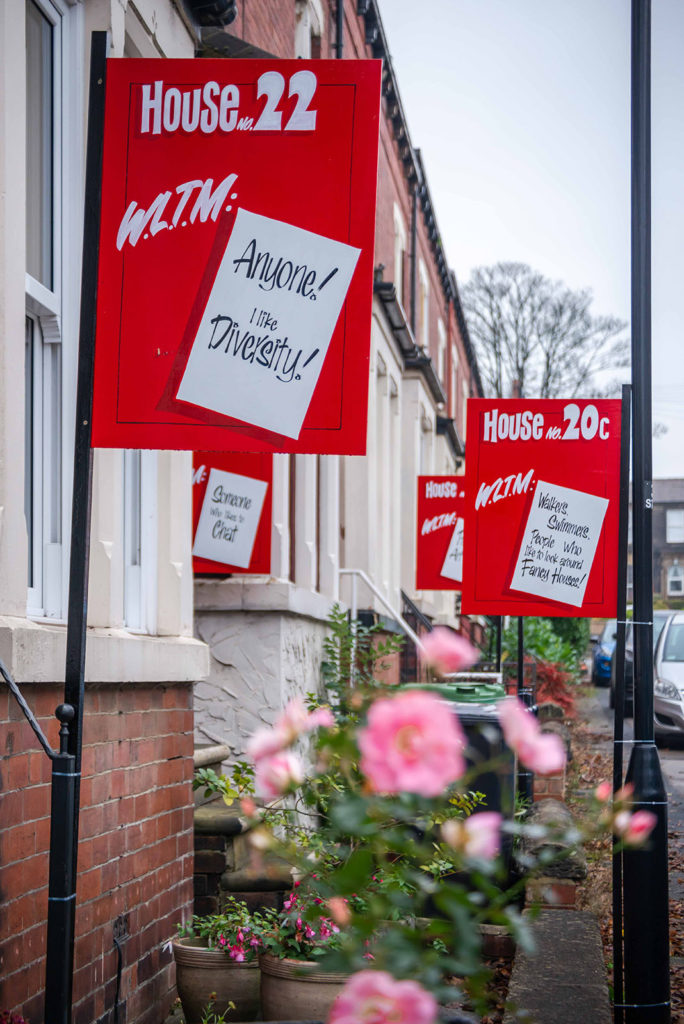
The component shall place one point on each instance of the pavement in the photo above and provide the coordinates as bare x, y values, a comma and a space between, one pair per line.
564, 981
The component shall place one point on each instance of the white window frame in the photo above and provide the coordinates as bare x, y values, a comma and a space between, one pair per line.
424, 307
674, 525
675, 580
453, 397
400, 243
309, 22
45, 393
140, 530
426, 442
441, 350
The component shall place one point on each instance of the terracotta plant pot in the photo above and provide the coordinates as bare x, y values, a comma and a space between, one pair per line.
296, 989
200, 972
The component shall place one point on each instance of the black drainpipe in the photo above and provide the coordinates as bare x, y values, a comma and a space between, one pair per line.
339, 30
414, 260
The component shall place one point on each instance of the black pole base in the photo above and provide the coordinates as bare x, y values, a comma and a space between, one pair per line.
645, 908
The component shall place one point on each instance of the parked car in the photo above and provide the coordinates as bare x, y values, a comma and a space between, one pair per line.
660, 617
668, 685
604, 645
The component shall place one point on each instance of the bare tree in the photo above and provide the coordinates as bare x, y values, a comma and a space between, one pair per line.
539, 332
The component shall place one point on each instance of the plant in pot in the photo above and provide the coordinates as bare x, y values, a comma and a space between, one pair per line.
217, 964
294, 985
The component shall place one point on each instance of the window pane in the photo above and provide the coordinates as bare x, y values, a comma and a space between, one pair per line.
675, 526
28, 448
39, 143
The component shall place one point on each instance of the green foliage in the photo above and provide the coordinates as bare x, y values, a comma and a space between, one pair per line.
210, 1016
541, 640
353, 654
575, 632
238, 784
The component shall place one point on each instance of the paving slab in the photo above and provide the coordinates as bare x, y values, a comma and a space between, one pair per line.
564, 982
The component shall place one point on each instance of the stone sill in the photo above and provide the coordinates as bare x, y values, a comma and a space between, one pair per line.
34, 652
260, 594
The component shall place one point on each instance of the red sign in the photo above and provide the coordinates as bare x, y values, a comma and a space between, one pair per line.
439, 543
541, 521
232, 512
236, 255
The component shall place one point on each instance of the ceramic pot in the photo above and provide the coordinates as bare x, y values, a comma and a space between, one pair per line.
201, 971
296, 989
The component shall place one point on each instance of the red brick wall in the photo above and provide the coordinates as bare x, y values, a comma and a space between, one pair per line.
135, 849
266, 25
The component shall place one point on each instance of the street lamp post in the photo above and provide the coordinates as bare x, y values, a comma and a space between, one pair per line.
646, 929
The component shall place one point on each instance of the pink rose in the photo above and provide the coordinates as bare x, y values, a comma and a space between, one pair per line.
411, 743
478, 836
543, 753
320, 717
294, 721
265, 743
446, 651
375, 997
603, 792
274, 775
634, 829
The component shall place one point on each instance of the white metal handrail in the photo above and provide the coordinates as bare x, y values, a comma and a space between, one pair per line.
357, 574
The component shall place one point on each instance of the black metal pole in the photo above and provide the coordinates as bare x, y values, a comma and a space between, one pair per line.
619, 693
339, 29
74, 685
61, 890
499, 630
521, 656
525, 777
645, 871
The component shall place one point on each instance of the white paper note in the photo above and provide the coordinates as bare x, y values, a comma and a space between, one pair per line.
453, 562
267, 325
229, 518
559, 543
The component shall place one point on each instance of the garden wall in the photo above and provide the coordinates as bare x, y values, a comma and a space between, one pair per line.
135, 851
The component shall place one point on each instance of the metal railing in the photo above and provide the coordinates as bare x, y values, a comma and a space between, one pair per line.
359, 574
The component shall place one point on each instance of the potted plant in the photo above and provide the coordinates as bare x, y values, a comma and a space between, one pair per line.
217, 963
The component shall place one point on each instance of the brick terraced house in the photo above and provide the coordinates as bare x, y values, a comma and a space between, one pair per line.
176, 661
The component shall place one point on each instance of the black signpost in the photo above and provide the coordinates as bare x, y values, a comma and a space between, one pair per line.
645, 870
66, 762
618, 730
82, 486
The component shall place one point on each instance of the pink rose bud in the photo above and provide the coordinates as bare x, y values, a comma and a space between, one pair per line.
543, 753
446, 651
634, 829
339, 910
603, 792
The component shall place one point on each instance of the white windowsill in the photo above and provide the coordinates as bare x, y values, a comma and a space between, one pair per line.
34, 652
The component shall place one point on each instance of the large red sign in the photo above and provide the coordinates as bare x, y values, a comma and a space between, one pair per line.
232, 512
236, 255
439, 541
541, 520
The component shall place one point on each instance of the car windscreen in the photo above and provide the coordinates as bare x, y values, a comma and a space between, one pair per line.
673, 649
658, 623
609, 631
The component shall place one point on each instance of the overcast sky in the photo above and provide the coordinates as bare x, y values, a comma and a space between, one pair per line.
521, 110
